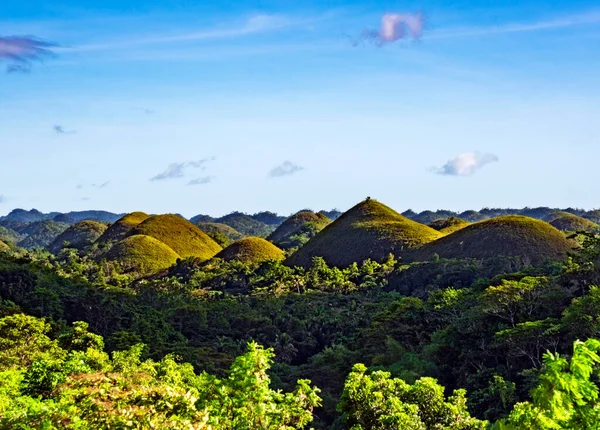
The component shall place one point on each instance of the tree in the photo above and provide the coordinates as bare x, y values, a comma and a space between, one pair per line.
377, 401
23, 340
566, 396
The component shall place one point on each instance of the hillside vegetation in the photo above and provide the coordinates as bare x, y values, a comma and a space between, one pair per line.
180, 235
298, 229
9, 235
246, 225
78, 236
220, 233
531, 240
368, 230
142, 255
41, 234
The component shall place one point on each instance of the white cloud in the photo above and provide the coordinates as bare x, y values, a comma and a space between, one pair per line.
466, 164
201, 181
286, 168
177, 170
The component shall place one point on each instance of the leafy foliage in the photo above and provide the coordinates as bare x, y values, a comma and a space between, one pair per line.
81, 387
378, 401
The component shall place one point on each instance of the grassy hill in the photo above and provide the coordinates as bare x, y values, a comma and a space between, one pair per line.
41, 234
368, 230
143, 255
4, 247
448, 225
508, 236
180, 235
298, 229
121, 228
246, 225
566, 221
251, 250
220, 233
78, 236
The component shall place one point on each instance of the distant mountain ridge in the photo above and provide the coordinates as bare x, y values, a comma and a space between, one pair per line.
34, 215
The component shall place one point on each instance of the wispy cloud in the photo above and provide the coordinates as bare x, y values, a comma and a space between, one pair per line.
255, 24
21, 51
465, 164
173, 171
286, 168
101, 185
201, 181
18, 68
592, 17
59, 129
2, 198
177, 170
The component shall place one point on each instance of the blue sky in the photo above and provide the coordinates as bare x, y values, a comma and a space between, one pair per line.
214, 99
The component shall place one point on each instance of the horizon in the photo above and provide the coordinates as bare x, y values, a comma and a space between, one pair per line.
217, 108
341, 210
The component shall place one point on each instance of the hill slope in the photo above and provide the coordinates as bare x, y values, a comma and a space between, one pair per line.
180, 235
142, 254
220, 233
448, 225
79, 236
368, 230
41, 233
251, 250
298, 229
508, 236
4, 247
9, 236
246, 225
566, 221
121, 228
